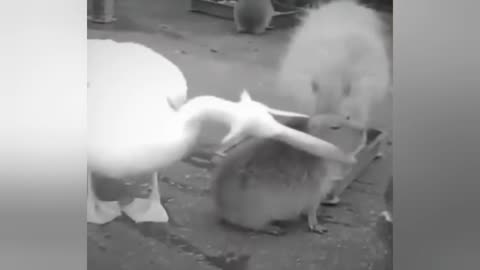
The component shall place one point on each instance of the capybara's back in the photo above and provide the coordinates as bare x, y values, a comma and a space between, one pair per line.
264, 180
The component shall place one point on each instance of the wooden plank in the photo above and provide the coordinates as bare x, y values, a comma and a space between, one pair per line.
281, 19
364, 158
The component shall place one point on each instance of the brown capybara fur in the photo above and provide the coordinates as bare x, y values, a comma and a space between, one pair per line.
265, 180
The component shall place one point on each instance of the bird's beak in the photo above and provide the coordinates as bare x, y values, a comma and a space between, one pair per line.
238, 132
313, 145
276, 112
245, 98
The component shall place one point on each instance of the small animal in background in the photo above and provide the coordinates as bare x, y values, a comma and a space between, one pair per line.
265, 180
253, 16
337, 62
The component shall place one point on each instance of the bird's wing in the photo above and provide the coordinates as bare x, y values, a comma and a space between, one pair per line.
129, 85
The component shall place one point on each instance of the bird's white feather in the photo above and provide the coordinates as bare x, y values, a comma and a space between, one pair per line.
128, 109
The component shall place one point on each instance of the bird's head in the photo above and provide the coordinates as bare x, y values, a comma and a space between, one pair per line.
256, 119
252, 118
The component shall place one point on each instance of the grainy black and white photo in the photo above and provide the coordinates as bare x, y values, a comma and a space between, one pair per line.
239, 134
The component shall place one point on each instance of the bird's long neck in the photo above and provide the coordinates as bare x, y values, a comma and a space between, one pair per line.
203, 109
207, 108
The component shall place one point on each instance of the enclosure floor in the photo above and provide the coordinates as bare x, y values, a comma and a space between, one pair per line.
217, 61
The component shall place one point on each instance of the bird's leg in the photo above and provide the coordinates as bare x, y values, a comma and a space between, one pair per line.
99, 212
147, 210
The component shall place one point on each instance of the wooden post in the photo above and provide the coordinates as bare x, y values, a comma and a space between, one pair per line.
102, 11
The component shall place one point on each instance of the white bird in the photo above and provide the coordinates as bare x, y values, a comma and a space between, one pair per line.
138, 125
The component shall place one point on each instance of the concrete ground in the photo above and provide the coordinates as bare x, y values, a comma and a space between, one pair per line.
217, 61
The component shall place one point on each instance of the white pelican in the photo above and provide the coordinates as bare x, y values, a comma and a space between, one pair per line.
138, 125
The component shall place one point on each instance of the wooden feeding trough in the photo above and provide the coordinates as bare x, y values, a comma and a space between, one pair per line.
364, 158
284, 17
